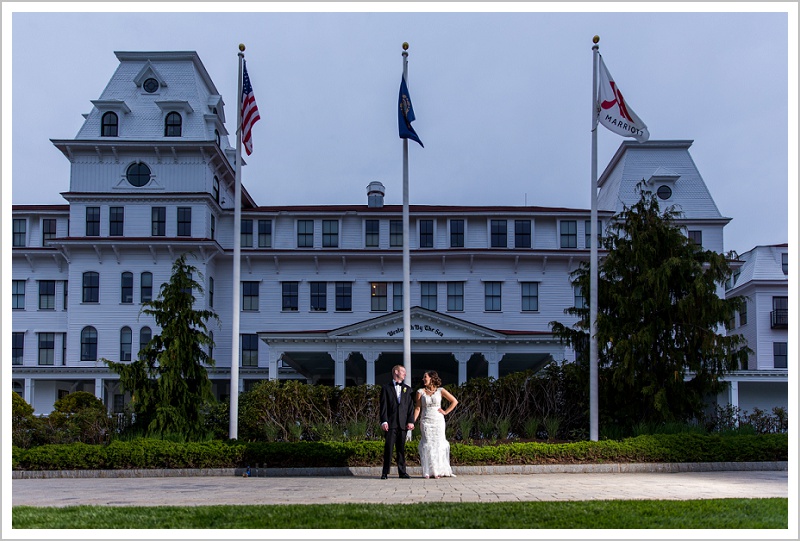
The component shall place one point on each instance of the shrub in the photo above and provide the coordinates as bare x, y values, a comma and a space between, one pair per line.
26, 428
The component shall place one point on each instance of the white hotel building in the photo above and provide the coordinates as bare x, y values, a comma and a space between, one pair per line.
152, 177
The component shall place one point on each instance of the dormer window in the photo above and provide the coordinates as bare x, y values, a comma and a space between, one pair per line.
150, 85
110, 125
172, 125
138, 174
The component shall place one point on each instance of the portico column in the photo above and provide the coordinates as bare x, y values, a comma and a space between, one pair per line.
493, 360
98, 389
274, 357
733, 398
339, 357
462, 358
371, 357
29, 388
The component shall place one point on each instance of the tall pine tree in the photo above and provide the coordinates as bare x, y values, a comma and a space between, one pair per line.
661, 352
168, 382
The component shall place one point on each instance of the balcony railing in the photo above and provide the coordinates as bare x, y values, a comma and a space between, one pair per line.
779, 318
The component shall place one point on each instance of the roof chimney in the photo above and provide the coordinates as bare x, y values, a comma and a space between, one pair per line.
375, 193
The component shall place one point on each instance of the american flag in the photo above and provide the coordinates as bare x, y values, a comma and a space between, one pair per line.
249, 112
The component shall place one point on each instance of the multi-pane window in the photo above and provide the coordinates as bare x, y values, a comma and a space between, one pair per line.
305, 233
172, 125
66, 294
18, 295
89, 344
249, 350
319, 296
145, 335
250, 296
696, 238
20, 232
780, 312
371, 233
47, 348
17, 347
184, 221
330, 233
378, 296
456, 233
246, 233
344, 296
211, 292
499, 233
743, 314
785, 263
159, 221
215, 189
396, 233
116, 221
588, 232
569, 234
92, 221
522, 233
780, 354
493, 296
48, 230
265, 233
213, 227
426, 233
125, 344
126, 288
397, 296
530, 296
289, 302
455, 296
47, 294
580, 300
109, 125
146, 287
428, 295
91, 287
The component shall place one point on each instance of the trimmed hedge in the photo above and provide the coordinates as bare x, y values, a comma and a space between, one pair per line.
161, 454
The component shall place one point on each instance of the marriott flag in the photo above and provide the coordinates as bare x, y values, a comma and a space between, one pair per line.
614, 112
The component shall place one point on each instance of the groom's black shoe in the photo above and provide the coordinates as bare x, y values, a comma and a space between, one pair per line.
384, 476
405, 476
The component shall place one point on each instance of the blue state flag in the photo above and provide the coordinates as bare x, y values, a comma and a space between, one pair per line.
405, 115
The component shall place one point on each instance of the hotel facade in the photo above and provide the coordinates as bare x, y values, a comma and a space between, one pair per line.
151, 177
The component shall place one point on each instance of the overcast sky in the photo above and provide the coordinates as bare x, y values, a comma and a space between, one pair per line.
503, 100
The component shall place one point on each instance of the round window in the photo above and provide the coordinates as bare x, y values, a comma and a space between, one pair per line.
150, 85
664, 192
138, 174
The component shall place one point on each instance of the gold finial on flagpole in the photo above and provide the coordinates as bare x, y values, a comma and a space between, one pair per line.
405, 45
241, 47
595, 39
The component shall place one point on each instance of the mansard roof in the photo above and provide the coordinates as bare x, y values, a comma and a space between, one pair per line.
657, 163
183, 86
762, 264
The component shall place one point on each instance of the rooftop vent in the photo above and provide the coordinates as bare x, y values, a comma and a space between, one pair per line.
375, 193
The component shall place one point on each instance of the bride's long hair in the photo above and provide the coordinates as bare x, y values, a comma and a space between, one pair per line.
435, 380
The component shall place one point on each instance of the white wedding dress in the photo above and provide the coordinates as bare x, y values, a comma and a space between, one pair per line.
434, 449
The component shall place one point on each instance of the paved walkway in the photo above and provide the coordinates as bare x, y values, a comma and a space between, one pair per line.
365, 486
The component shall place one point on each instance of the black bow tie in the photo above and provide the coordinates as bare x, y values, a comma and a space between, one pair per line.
397, 383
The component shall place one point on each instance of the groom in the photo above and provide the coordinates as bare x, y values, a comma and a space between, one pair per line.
397, 414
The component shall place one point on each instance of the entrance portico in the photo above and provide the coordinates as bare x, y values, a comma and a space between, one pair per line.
364, 352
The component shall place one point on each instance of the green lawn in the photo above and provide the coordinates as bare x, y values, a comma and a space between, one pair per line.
613, 514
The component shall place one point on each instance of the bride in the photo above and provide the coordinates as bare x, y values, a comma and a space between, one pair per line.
434, 450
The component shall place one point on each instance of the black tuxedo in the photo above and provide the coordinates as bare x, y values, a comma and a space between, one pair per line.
397, 415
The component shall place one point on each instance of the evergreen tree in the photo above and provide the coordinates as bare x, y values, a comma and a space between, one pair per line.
661, 354
168, 382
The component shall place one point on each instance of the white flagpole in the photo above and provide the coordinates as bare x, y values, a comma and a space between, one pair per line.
406, 252
233, 431
593, 361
